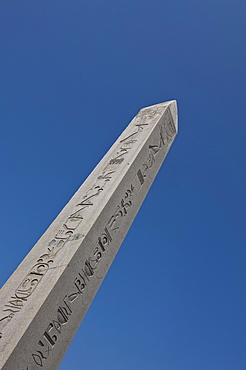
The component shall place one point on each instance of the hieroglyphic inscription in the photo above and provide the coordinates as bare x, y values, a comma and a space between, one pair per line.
67, 233
83, 277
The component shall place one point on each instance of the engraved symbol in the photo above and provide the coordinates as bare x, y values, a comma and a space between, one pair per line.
73, 296
88, 269
140, 177
93, 260
40, 343
167, 128
116, 161
79, 283
104, 239
30, 282
124, 206
154, 148
50, 339
39, 359
57, 326
64, 312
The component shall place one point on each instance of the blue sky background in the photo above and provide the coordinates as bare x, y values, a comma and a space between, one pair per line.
73, 74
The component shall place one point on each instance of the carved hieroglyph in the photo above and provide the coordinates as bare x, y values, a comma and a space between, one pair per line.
44, 301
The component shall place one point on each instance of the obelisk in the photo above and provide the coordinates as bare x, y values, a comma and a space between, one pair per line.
44, 301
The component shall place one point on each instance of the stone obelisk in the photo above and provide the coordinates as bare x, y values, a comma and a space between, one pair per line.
44, 301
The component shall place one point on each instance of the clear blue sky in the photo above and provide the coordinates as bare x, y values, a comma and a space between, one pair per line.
73, 75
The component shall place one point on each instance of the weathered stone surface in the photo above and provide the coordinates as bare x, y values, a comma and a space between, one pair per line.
44, 301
